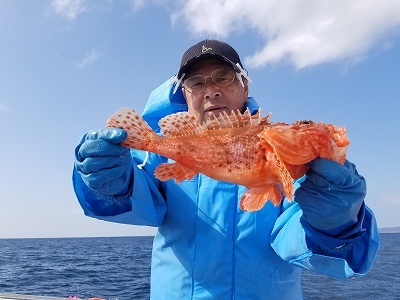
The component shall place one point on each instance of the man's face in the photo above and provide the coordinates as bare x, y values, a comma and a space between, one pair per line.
214, 99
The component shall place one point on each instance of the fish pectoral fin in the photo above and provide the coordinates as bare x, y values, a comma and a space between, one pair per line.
278, 168
139, 133
168, 171
256, 197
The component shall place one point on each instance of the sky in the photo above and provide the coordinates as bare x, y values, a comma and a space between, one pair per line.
67, 65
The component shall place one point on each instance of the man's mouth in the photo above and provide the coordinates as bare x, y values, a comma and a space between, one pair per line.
215, 109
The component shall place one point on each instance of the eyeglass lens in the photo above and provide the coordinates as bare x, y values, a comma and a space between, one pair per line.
221, 77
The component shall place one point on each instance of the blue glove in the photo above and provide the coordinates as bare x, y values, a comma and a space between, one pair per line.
103, 164
332, 198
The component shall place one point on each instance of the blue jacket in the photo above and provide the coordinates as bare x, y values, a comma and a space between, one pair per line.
206, 247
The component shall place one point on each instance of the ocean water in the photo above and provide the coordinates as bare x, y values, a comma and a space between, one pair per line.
381, 282
119, 268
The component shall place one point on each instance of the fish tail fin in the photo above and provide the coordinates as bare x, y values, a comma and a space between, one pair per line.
140, 134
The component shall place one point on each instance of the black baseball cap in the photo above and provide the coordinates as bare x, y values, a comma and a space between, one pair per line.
209, 49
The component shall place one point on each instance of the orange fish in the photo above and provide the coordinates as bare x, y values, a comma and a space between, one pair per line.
239, 148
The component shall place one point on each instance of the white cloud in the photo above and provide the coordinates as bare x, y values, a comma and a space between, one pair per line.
90, 58
4, 108
68, 9
303, 32
138, 4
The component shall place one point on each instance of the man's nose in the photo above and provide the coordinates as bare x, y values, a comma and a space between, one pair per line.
212, 90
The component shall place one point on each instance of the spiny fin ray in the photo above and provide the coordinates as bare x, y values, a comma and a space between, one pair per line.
179, 124
182, 123
223, 120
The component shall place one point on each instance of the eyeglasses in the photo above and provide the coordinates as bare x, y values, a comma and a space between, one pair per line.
221, 77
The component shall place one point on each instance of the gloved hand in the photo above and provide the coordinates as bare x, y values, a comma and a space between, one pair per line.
103, 164
331, 196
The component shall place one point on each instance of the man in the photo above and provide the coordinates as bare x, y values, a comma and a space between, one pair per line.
206, 247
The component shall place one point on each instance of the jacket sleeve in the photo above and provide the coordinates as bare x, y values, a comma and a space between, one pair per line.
142, 205
291, 243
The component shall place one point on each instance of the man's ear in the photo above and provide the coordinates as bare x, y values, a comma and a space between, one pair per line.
184, 94
246, 87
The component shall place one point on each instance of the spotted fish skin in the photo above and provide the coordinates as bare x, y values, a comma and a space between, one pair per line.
238, 148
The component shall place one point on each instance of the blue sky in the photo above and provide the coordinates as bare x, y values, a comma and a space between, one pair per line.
67, 65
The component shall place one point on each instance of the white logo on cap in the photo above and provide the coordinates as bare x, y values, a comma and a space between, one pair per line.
204, 49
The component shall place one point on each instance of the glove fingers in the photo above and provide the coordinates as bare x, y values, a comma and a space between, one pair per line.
95, 164
112, 135
100, 178
323, 170
97, 148
102, 163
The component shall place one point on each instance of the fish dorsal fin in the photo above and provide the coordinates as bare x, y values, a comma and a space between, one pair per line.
224, 120
259, 120
233, 120
179, 123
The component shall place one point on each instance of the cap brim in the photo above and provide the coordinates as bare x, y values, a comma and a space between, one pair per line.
197, 59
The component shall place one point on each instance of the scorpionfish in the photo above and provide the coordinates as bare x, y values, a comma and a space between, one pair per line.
240, 148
